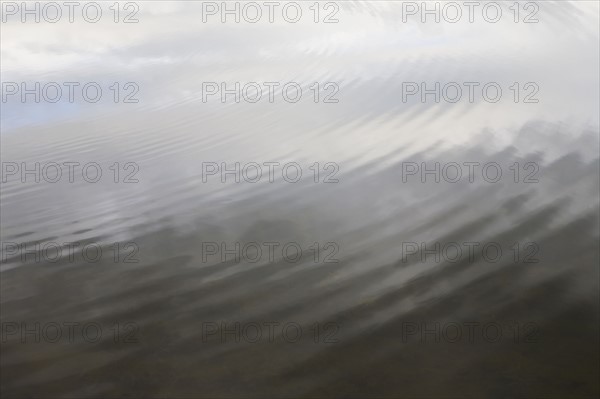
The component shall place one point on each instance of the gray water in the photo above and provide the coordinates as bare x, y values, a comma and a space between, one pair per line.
372, 300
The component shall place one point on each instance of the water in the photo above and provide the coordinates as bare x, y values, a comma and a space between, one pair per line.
363, 291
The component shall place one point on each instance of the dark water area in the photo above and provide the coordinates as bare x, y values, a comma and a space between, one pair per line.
374, 274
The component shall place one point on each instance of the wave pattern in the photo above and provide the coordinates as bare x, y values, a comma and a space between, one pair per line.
372, 291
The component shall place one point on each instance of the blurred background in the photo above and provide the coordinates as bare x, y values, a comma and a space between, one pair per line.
364, 306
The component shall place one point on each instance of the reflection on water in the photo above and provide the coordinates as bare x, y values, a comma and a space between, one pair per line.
364, 292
